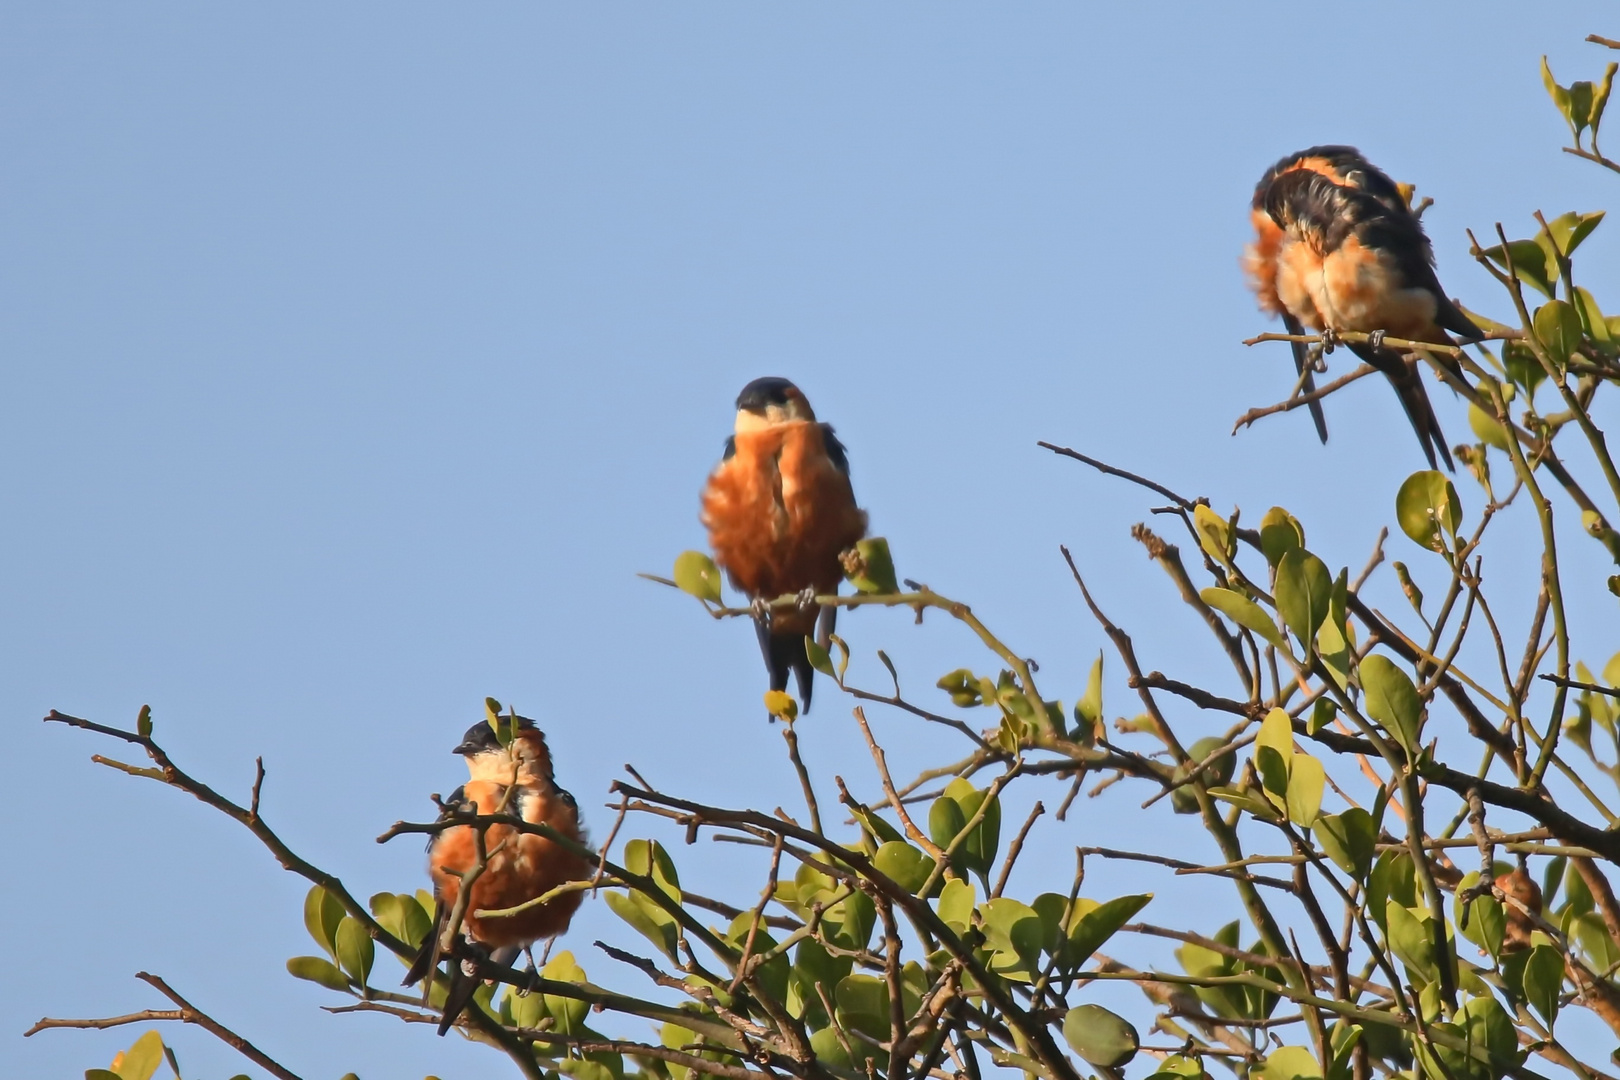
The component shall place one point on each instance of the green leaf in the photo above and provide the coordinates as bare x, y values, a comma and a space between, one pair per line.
1600, 98
1349, 839
1304, 590
1485, 923
647, 919
1411, 938
903, 864
322, 913
949, 816
1428, 509
1101, 1038
355, 950
101, 1074
1223, 768
1273, 751
649, 859
568, 1012
143, 722
1558, 328
1289, 1063
1544, 981
317, 970
1484, 425
820, 659
1214, 534
1414, 595
1568, 230
1245, 612
1485, 1023
1530, 264
1306, 778
1280, 533
956, 903
862, 1002
828, 1050
1091, 929
696, 575
1392, 700
528, 1010
1088, 710
875, 567
1013, 932
1177, 1066
1593, 322
1560, 98
142, 1059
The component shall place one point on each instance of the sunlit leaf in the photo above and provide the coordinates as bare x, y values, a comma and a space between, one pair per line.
142, 1059
1289, 1063
1558, 328
696, 575
1392, 700
1280, 533
322, 913
873, 567
1530, 264
355, 950
1428, 509
1214, 534
1348, 839
1245, 612
1100, 923
903, 864
1304, 590
318, 970
1543, 981
1486, 921
1306, 778
780, 703
1101, 1038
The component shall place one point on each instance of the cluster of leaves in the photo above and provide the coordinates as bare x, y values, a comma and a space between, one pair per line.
892, 947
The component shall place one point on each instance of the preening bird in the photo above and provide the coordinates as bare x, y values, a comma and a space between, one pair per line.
519, 866
779, 509
1337, 249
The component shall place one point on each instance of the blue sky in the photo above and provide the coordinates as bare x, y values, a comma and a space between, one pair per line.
357, 356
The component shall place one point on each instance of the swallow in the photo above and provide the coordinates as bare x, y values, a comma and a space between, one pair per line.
519, 866
1343, 165
1338, 249
780, 510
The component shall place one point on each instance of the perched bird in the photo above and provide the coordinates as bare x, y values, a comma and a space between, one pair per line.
1337, 249
779, 509
518, 866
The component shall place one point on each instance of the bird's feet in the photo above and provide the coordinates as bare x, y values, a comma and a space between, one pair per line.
1376, 339
1330, 339
807, 598
760, 608
531, 971
1315, 361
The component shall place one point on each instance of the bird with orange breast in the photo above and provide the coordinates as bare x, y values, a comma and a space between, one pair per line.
1338, 249
780, 510
519, 867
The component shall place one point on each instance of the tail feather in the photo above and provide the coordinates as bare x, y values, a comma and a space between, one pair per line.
785, 653
1307, 381
463, 985
1414, 399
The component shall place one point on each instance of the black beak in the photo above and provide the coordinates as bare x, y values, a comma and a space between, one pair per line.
467, 749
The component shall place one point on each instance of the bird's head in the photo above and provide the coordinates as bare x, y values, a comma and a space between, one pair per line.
488, 760
770, 401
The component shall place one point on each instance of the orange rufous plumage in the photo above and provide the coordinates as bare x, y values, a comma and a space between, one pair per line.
1337, 248
519, 866
780, 510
